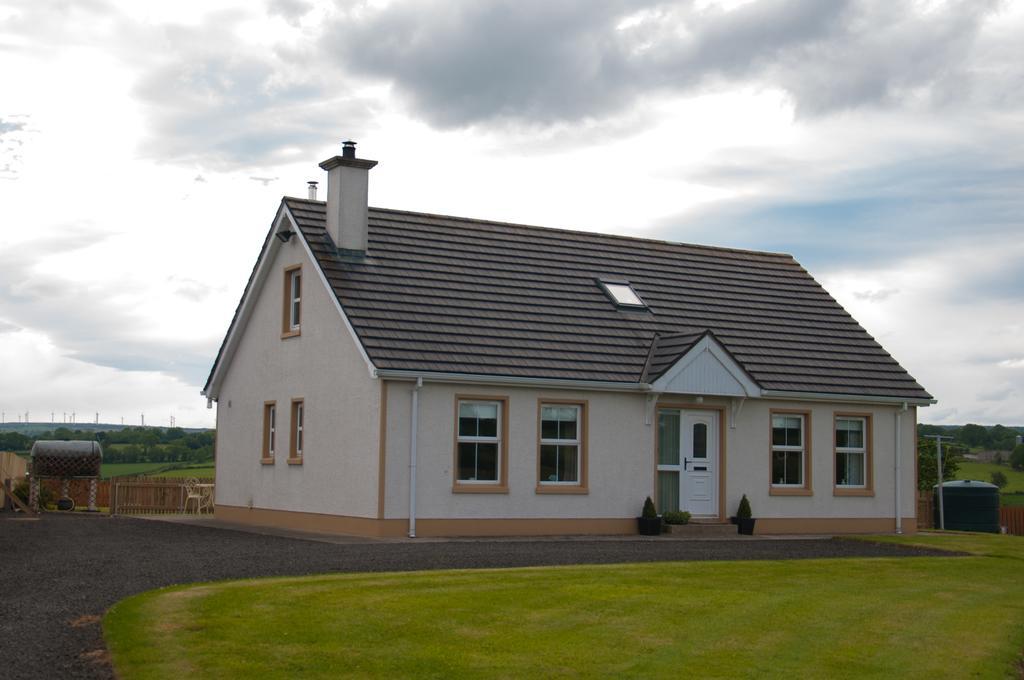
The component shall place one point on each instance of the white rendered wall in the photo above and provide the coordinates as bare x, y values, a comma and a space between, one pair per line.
749, 452
339, 473
621, 458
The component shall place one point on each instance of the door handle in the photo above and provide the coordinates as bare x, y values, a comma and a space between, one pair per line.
686, 464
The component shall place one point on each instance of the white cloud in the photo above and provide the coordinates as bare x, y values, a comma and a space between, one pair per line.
878, 142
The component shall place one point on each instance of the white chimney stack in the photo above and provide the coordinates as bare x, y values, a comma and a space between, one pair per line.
347, 198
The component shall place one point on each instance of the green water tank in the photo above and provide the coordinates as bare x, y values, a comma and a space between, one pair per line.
969, 506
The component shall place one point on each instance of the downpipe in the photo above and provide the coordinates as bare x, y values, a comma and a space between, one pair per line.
413, 436
899, 468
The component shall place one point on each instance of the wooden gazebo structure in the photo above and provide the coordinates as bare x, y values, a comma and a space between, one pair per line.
64, 460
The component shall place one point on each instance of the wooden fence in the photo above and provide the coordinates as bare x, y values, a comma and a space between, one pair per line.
1013, 519
149, 495
925, 511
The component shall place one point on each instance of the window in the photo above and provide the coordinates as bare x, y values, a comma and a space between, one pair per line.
622, 294
853, 455
790, 460
562, 458
298, 431
478, 442
669, 460
292, 317
269, 431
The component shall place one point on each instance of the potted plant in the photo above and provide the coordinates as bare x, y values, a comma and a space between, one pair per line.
744, 517
648, 521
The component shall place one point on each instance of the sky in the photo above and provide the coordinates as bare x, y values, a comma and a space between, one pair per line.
144, 149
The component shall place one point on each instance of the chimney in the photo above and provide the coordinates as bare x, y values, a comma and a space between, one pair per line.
312, 190
347, 188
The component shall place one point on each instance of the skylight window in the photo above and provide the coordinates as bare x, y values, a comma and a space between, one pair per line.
622, 294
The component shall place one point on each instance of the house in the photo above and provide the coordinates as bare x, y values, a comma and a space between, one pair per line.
392, 373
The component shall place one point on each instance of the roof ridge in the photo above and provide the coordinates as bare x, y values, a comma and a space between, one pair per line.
563, 230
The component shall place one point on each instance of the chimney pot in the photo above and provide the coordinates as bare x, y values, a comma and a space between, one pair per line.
348, 149
312, 190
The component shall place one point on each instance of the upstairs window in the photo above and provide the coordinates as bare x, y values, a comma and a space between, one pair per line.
292, 317
622, 294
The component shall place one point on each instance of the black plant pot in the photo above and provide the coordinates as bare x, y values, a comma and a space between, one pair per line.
649, 526
746, 525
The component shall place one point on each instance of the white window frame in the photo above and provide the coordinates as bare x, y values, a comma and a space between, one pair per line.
270, 430
295, 299
299, 423
577, 442
610, 289
496, 440
862, 450
802, 450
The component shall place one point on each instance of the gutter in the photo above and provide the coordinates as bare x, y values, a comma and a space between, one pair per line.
611, 386
482, 379
827, 396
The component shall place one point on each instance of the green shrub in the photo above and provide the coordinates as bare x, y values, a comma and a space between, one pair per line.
999, 479
676, 517
744, 512
649, 512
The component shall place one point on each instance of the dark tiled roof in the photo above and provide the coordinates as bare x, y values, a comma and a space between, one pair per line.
454, 295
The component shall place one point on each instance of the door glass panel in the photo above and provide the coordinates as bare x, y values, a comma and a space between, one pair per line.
668, 438
700, 440
668, 491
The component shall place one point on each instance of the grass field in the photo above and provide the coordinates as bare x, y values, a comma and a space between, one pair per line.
108, 470
983, 472
203, 472
154, 470
929, 617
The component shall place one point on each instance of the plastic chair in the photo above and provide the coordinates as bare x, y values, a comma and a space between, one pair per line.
192, 493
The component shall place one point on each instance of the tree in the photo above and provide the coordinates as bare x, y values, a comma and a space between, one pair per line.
998, 458
1017, 458
1002, 438
974, 436
999, 479
927, 467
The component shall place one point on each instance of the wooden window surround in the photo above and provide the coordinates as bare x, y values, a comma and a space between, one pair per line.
473, 439
867, 488
269, 432
297, 437
804, 489
291, 312
559, 441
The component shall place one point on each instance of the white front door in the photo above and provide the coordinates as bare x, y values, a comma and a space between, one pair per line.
688, 461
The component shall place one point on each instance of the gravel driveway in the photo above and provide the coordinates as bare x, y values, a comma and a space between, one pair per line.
60, 573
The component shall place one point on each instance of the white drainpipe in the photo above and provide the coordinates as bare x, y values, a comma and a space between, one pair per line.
412, 455
899, 468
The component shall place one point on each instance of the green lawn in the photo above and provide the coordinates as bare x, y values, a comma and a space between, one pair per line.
201, 472
894, 617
